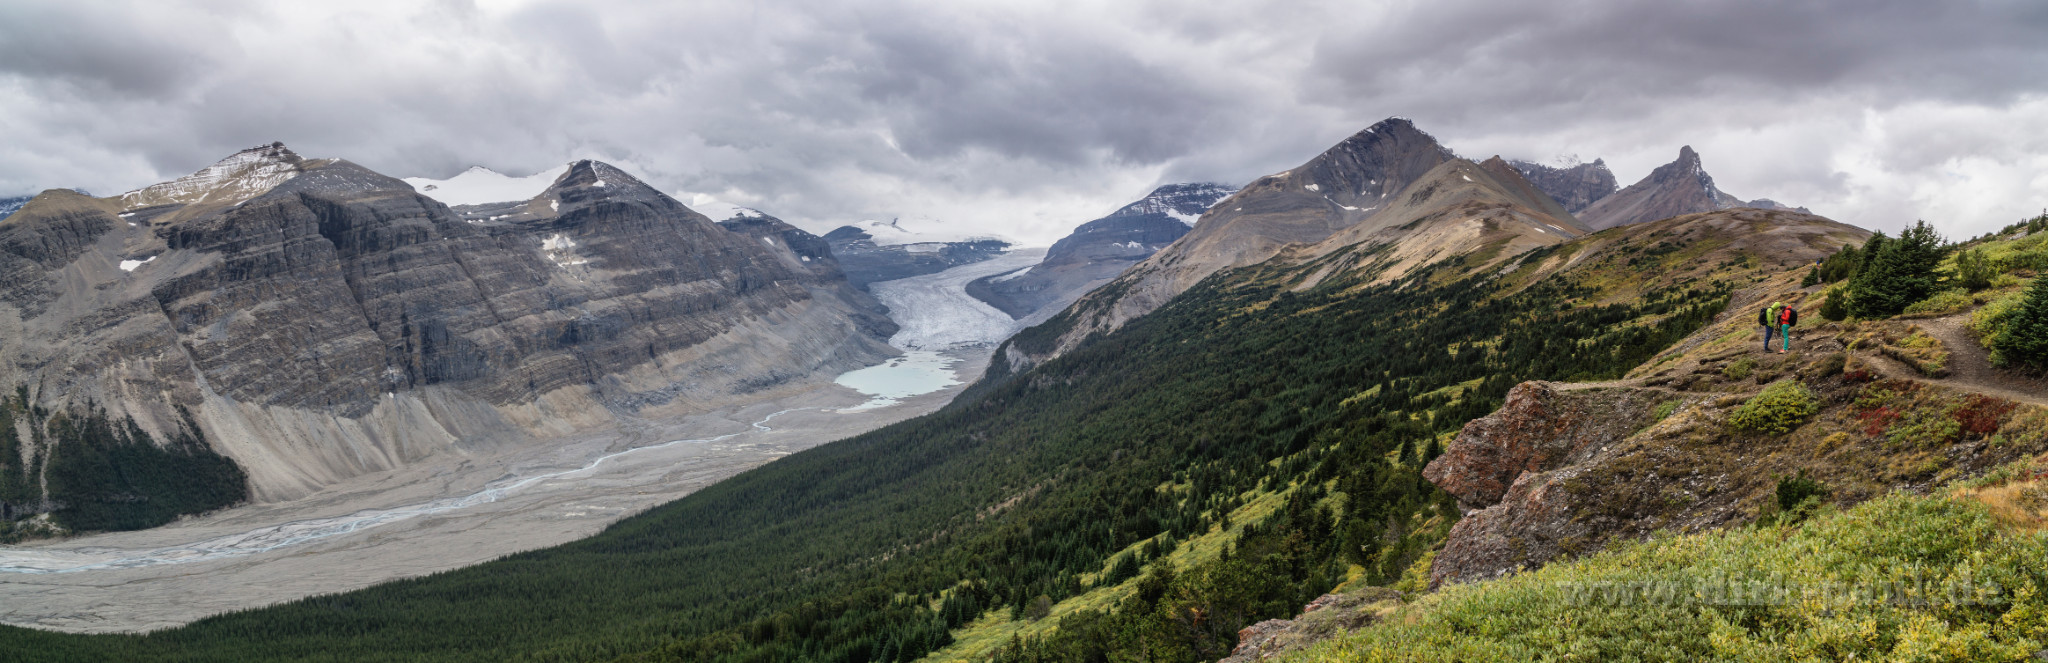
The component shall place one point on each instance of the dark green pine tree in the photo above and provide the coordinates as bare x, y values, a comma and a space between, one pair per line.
1899, 273
2024, 340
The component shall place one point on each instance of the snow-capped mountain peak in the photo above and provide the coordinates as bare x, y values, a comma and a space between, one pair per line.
1183, 202
242, 176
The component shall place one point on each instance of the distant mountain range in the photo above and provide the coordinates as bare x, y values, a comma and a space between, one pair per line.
1680, 187
1386, 200
319, 320
9, 205
872, 251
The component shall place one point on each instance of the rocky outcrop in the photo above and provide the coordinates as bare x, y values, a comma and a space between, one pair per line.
1673, 189
1099, 250
1575, 187
338, 322
1538, 428
875, 251
1324, 618
1504, 468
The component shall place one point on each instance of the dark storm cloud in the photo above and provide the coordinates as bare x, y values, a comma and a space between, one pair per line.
1030, 117
1617, 56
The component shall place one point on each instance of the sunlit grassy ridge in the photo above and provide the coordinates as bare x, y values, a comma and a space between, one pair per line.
1901, 578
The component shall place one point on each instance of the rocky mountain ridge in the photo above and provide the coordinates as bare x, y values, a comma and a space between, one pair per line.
1673, 189
873, 251
1099, 250
1575, 187
1391, 186
338, 322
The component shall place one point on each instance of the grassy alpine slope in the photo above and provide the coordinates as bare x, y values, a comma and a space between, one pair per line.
1888, 492
1037, 489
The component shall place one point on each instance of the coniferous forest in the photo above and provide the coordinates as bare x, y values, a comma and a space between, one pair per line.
103, 473
1086, 472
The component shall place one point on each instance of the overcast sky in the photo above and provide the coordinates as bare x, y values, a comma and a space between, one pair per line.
1028, 118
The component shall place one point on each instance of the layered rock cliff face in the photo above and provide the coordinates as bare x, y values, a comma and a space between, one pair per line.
1099, 250
323, 321
1575, 187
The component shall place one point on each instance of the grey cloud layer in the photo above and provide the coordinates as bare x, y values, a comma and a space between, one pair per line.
1028, 118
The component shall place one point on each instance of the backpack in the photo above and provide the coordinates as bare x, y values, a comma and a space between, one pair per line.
1789, 316
1763, 316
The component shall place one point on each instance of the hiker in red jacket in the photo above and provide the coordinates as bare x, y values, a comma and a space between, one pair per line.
1787, 317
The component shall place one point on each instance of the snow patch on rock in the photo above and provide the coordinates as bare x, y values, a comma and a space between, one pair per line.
243, 175
480, 185
718, 210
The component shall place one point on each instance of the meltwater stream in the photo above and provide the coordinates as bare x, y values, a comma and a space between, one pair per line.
39, 561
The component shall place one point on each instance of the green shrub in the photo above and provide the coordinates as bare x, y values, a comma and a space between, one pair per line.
1942, 303
1974, 271
1776, 410
1664, 410
1987, 321
1836, 307
2023, 336
1797, 498
1925, 426
1739, 369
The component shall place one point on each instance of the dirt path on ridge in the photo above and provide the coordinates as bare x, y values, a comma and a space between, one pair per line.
1970, 369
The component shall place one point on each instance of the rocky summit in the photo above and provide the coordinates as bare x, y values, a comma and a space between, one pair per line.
1680, 187
320, 320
